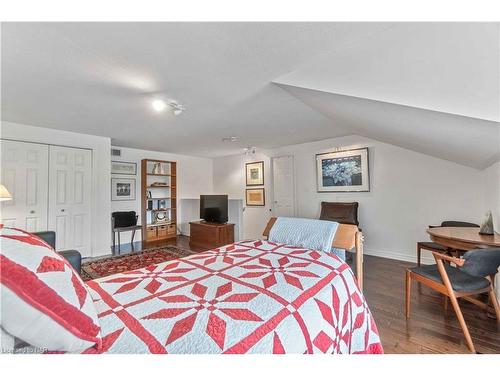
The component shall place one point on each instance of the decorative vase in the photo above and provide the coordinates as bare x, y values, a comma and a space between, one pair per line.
157, 168
487, 225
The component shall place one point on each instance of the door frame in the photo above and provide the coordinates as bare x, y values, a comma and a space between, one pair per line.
294, 183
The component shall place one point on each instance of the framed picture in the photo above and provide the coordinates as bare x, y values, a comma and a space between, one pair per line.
343, 171
122, 189
123, 167
255, 173
255, 197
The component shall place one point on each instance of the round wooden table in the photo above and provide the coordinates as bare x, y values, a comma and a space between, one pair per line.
463, 238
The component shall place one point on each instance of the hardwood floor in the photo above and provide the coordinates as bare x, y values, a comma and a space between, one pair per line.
430, 328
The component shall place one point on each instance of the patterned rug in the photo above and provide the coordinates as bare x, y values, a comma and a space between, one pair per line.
127, 262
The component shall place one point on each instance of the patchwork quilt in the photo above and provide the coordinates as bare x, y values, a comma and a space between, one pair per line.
247, 297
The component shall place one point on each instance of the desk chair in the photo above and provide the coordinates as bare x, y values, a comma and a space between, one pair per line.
124, 221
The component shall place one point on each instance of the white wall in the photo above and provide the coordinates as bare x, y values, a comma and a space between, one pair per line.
229, 178
194, 177
101, 188
408, 192
491, 183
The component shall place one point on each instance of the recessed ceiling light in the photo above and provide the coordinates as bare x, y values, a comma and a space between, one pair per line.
159, 105
229, 139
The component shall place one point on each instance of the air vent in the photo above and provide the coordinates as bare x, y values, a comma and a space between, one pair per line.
116, 152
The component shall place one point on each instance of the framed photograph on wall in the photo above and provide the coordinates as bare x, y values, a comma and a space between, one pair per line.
122, 189
255, 173
255, 197
123, 167
343, 171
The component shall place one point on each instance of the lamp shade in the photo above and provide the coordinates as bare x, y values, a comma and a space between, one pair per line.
4, 194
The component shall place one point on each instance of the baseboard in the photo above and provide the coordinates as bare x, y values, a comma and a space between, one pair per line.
405, 257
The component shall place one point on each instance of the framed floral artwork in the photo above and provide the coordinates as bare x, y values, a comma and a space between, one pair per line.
343, 171
255, 197
255, 173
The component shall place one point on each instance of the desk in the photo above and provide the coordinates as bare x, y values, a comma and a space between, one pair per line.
463, 238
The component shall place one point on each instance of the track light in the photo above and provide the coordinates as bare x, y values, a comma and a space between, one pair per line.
159, 105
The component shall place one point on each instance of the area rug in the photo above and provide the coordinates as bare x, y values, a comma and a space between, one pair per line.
127, 262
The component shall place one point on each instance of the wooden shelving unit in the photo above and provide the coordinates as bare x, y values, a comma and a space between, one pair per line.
158, 200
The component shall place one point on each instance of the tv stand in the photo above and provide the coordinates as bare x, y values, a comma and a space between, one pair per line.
210, 235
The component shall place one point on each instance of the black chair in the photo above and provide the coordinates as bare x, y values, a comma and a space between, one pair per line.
124, 221
432, 246
473, 274
72, 256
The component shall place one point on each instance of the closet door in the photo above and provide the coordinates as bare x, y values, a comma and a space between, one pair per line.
69, 198
24, 173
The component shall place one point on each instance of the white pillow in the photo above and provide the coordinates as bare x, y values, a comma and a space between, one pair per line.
6, 342
44, 301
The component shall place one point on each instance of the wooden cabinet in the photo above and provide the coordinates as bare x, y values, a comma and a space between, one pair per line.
210, 235
158, 199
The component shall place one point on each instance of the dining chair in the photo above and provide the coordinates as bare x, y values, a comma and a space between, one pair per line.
432, 246
473, 274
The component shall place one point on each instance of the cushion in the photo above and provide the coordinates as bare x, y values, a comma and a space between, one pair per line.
460, 281
341, 212
44, 301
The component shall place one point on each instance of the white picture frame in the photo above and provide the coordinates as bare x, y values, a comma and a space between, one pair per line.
343, 171
122, 189
123, 167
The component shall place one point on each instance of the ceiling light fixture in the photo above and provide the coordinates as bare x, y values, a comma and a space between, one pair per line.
250, 150
229, 139
177, 107
159, 105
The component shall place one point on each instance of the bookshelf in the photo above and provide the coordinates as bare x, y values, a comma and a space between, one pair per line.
158, 199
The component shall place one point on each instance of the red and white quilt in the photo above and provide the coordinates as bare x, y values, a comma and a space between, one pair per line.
248, 297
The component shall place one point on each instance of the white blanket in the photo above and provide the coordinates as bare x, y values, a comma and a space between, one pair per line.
307, 233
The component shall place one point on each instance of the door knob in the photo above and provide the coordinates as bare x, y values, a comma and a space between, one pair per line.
32, 212
62, 210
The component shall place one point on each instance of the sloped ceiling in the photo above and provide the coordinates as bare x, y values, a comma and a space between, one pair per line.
429, 87
426, 87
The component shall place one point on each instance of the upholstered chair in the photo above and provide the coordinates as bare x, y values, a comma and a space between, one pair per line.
471, 275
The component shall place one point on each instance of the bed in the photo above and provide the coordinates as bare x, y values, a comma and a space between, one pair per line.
247, 297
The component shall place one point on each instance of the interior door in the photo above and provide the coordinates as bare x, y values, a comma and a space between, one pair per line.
283, 186
24, 173
69, 198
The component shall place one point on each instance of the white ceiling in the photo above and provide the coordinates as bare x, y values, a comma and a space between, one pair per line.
433, 88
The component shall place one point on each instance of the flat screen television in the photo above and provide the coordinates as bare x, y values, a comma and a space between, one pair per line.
213, 208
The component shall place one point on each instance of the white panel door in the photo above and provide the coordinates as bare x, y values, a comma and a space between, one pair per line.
24, 173
283, 186
69, 198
